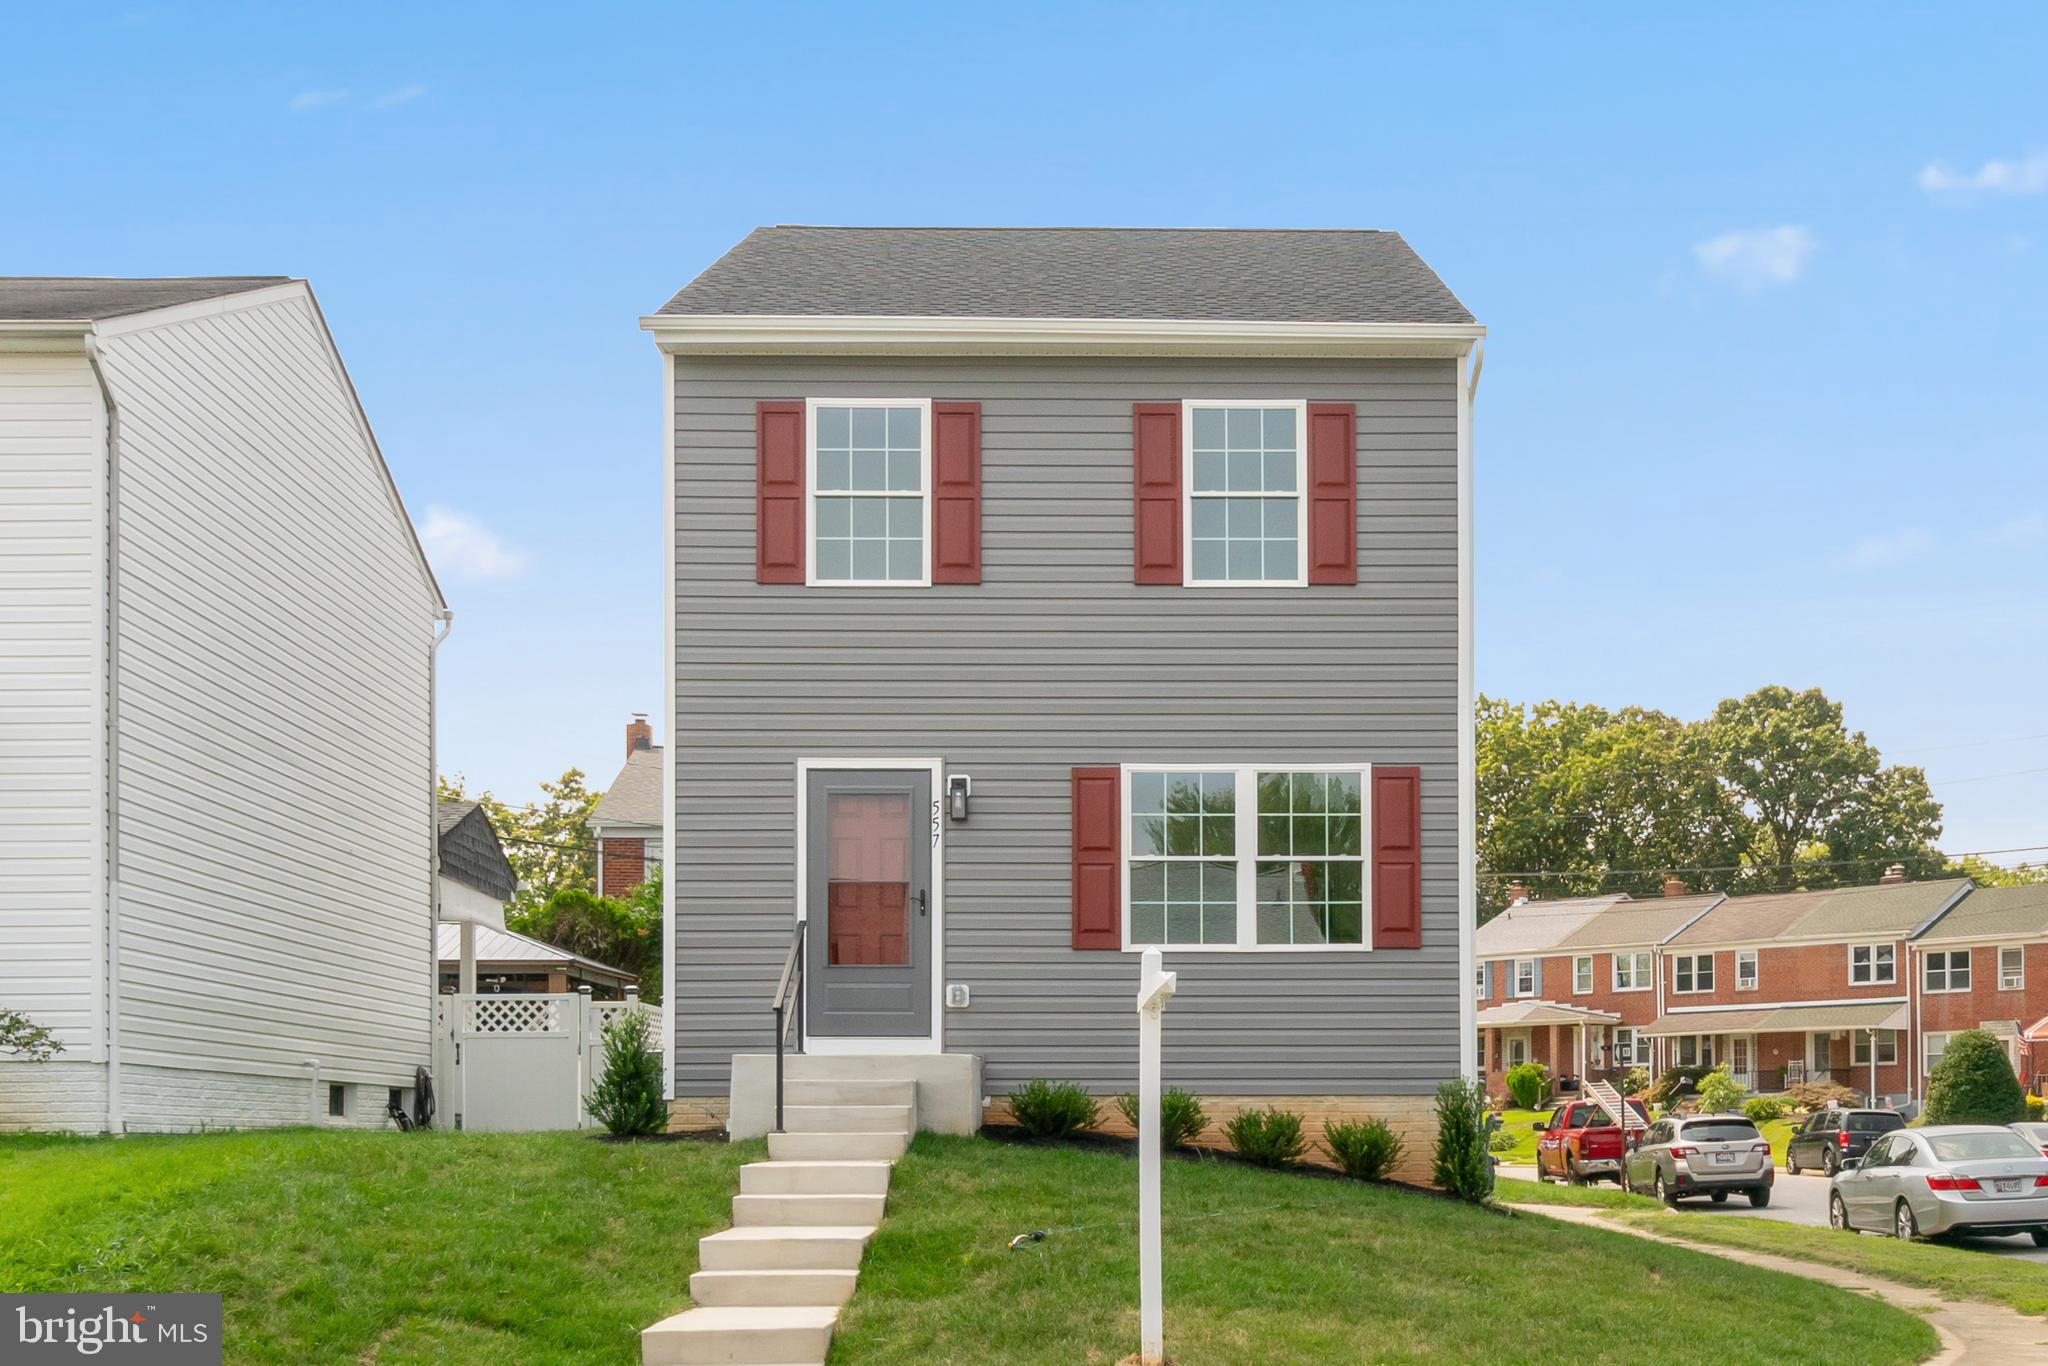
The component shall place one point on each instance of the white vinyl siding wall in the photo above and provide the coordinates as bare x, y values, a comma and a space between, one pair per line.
274, 634
52, 530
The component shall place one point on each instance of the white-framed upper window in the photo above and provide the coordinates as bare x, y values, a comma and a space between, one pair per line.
1887, 1048
1745, 969
1244, 515
1479, 982
1525, 977
1946, 971
2012, 968
1632, 971
1248, 858
1692, 972
1872, 964
1932, 1046
868, 484
1582, 974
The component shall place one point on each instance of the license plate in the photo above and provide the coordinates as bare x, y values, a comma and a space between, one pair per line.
1725, 1159
2008, 1183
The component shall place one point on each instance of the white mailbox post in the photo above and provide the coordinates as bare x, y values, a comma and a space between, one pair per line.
1154, 986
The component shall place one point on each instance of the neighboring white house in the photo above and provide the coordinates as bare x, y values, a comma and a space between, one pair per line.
217, 636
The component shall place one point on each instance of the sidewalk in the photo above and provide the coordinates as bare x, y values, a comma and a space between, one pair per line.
1972, 1333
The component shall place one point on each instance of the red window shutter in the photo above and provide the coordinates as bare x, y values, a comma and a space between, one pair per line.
1396, 858
1155, 487
1332, 493
1098, 867
778, 492
956, 493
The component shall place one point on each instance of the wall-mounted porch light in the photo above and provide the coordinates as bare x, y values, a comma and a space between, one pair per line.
958, 787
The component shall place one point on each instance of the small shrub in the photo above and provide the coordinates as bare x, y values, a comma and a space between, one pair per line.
1052, 1109
627, 1098
1815, 1095
1676, 1082
1720, 1093
1973, 1083
1528, 1084
2037, 1107
1635, 1081
1762, 1110
1181, 1119
1266, 1138
1366, 1149
1502, 1141
1463, 1165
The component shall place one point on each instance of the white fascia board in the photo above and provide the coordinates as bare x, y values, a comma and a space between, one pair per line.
65, 336
801, 333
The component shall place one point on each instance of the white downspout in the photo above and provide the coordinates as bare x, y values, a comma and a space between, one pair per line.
446, 619
1467, 388
110, 720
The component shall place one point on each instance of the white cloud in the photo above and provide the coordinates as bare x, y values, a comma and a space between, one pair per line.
2025, 529
2027, 175
1754, 258
313, 99
465, 548
1879, 552
391, 99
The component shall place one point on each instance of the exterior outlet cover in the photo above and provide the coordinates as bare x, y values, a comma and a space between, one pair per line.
956, 995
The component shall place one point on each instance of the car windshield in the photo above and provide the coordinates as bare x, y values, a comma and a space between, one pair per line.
1721, 1131
1979, 1147
1876, 1124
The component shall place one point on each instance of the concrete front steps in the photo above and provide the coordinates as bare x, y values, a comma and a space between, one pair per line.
769, 1289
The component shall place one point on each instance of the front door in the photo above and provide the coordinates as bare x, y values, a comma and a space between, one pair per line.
868, 947
1738, 1058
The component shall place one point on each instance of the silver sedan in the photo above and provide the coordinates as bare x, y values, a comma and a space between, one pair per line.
1951, 1178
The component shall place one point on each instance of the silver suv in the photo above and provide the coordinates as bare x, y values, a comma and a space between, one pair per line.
1712, 1155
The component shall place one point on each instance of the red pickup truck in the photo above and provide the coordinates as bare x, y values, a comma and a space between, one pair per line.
1581, 1143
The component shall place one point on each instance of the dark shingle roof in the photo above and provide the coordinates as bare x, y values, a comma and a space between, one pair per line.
1990, 911
52, 298
470, 851
1239, 274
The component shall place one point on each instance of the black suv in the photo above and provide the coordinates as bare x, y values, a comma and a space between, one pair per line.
1831, 1135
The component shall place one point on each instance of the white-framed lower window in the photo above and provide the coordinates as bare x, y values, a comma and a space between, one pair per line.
1245, 857
1582, 974
1695, 1050
1524, 978
1244, 468
869, 487
1887, 1048
1632, 972
1932, 1046
1946, 970
1518, 1050
1873, 964
1692, 973
2012, 968
1745, 969
1631, 1049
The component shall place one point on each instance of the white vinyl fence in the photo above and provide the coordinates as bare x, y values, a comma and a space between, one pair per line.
508, 1063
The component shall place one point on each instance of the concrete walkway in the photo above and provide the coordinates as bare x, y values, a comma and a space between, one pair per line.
1972, 1333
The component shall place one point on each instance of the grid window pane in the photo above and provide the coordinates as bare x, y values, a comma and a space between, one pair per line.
1317, 895
868, 452
1181, 893
1249, 453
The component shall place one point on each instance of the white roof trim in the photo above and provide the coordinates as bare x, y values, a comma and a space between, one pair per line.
797, 333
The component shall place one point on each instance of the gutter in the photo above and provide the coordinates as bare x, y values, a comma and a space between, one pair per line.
110, 886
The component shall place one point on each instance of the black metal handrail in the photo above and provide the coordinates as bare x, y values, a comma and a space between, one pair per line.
789, 990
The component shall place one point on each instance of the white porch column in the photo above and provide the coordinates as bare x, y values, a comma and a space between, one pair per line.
465, 981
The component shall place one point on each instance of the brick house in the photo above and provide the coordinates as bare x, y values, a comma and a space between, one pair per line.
627, 821
1573, 984
1984, 964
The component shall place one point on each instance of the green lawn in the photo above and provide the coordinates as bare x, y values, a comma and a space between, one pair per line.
1602, 1196
377, 1247
1957, 1272
1517, 1123
1268, 1267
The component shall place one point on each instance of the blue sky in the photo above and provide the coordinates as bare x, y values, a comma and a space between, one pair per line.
1764, 395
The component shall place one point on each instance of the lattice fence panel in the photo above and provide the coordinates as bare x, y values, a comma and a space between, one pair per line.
515, 1015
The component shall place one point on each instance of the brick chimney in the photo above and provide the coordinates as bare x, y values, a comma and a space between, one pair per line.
1674, 886
1518, 892
1893, 875
639, 735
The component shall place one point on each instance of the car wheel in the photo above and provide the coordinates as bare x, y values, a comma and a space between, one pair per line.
1573, 1176
2041, 1237
1760, 1197
1838, 1213
1720, 1197
1791, 1163
1664, 1192
1904, 1225
1829, 1163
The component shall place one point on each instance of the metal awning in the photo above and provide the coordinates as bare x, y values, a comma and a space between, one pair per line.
1781, 1020
1517, 1013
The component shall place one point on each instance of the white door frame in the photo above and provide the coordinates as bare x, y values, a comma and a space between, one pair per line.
840, 1045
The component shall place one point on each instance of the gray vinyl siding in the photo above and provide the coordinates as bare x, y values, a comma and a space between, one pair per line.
1055, 660
274, 631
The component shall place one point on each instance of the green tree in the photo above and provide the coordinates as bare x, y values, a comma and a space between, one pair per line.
548, 842
1806, 783
622, 931
25, 1038
1987, 874
627, 1096
1973, 1083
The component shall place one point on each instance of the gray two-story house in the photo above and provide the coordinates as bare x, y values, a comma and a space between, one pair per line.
1041, 595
